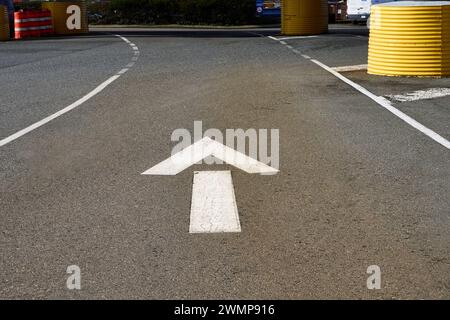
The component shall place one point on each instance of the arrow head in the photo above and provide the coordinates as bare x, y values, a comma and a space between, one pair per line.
206, 147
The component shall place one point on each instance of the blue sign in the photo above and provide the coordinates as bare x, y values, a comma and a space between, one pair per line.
268, 8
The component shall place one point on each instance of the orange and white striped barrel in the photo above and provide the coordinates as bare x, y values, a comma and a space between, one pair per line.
36, 23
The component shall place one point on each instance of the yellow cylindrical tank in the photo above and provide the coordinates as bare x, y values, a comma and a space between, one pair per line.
410, 38
68, 17
4, 24
304, 17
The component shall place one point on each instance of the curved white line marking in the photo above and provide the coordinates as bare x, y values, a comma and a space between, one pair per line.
77, 103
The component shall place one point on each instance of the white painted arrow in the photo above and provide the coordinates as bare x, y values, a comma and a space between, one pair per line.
213, 207
204, 148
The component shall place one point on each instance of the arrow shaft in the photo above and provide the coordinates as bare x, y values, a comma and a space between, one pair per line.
213, 208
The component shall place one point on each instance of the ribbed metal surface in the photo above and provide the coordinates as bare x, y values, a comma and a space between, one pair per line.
304, 17
410, 38
4, 24
60, 16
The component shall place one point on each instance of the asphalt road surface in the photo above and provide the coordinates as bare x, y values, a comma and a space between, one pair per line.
357, 185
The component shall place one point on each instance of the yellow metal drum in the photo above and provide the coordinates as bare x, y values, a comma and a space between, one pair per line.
4, 24
410, 38
68, 17
304, 17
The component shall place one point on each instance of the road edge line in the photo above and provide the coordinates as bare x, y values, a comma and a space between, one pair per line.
379, 100
388, 106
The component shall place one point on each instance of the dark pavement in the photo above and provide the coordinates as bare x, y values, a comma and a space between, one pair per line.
357, 186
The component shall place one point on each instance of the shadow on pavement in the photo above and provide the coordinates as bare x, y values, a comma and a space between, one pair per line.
99, 32
190, 33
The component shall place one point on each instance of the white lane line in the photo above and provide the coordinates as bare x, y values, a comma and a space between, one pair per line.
77, 103
420, 95
388, 106
291, 47
358, 67
213, 207
59, 113
123, 38
294, 37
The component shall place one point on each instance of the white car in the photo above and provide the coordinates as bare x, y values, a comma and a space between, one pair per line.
359, 10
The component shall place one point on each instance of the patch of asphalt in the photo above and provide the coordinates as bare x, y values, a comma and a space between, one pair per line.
356, 187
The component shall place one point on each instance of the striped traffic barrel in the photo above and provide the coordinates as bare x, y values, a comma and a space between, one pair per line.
31, 24
4, 23
304, 17
410, 38
68, 17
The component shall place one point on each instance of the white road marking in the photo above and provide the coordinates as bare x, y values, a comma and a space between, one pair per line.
59, 113
358, 67
388, 106
291, 47
183, 159
204, 148
74, 105
294, 37
213, 207
420, 95
123, 38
